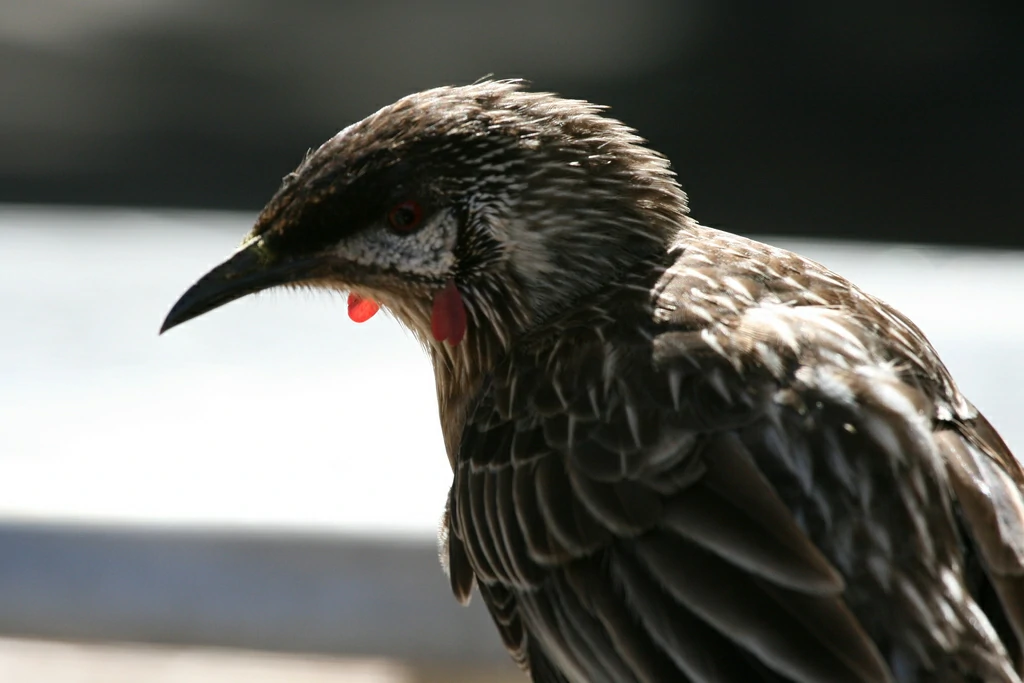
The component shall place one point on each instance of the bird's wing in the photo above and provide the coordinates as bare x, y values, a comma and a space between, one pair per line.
624, 525
893, 474
715, 503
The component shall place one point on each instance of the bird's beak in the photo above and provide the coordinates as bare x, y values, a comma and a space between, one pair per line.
250, 269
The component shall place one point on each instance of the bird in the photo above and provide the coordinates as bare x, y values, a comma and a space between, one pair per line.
677, 454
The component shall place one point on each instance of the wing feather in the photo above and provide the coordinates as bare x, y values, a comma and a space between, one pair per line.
769, 493
989, 485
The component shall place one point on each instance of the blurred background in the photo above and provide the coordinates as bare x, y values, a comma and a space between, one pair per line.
255, 496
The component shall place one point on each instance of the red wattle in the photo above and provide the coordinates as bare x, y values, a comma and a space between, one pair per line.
448, 318
359, 309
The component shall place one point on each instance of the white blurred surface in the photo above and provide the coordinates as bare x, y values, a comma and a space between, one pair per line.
276, 411
30, 661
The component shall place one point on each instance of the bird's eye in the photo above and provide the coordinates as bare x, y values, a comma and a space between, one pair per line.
405, 217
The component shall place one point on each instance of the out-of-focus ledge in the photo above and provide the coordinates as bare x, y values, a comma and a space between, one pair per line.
294, 592
73, 662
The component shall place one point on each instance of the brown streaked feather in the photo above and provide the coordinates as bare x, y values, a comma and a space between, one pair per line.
454, 558
989, 484
644, 659
791, 634
504, 609
540, 668
733, 512
699, 651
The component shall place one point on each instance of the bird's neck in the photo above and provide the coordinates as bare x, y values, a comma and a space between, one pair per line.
500, 321
459, 374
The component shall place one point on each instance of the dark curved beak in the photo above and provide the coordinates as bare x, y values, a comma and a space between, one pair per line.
249, 270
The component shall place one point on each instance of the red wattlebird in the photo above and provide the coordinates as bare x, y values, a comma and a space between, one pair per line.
678, 454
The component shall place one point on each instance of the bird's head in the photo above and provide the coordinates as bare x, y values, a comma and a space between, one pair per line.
471, 213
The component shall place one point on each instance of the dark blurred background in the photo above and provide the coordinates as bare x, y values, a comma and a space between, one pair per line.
877, 119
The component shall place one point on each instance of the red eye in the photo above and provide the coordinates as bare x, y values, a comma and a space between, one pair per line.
405, 216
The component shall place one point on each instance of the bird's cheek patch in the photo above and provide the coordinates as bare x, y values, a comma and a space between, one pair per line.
448, 318
360, 310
